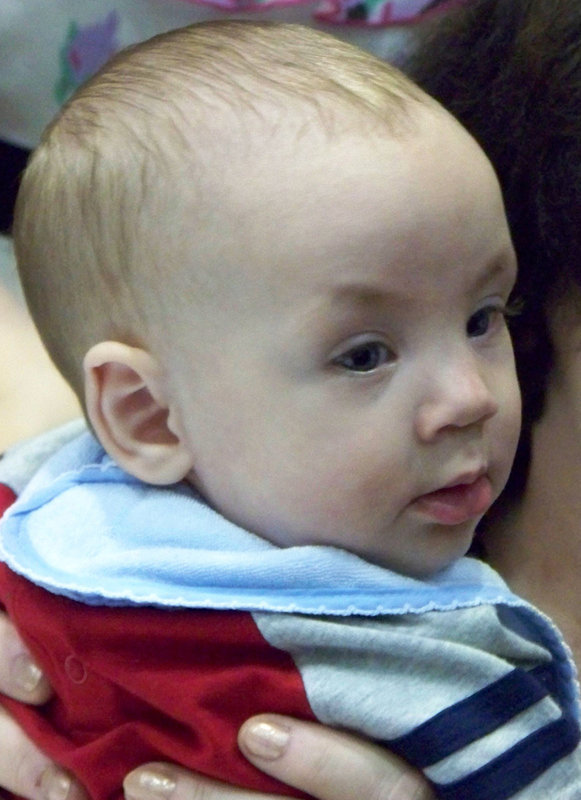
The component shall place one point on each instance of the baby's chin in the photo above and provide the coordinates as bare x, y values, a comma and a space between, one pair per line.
437, 558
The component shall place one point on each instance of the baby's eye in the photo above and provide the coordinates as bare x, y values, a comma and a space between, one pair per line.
365, 357
481, 321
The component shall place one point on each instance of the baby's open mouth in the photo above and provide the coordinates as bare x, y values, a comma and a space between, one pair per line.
454, 505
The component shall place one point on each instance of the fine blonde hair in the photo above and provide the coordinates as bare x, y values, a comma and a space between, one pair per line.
99, 207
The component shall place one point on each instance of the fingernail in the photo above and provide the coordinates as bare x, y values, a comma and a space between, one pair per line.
146, 784
26, 674
55, 784
266, 740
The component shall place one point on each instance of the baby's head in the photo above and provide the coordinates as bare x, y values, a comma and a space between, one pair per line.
271, 266
139, 164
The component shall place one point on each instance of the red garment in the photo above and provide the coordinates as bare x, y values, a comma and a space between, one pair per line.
7, 497
135, 685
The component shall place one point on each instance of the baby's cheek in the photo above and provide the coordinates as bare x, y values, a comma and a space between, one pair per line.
360, 488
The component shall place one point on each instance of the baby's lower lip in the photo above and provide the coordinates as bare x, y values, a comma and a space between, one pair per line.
457, 504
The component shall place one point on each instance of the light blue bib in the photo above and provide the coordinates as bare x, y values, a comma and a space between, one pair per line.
86, 529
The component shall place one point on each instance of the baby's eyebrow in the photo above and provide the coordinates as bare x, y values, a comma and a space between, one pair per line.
368, 294
503, 265
335, 304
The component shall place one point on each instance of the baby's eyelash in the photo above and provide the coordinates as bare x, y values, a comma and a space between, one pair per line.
513, 308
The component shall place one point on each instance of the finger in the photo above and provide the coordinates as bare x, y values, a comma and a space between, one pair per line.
328, 764
26, 772
20, 678
168, 782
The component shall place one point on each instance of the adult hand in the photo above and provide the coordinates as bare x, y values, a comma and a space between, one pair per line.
327, 764
24, 770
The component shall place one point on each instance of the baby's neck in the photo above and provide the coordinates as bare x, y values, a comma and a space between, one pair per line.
537, 546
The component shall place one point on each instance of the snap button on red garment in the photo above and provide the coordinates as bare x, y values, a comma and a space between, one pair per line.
75, 669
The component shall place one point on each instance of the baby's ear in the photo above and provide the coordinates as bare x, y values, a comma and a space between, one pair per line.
128, 409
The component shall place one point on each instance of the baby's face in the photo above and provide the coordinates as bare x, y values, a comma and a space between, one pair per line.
355, 386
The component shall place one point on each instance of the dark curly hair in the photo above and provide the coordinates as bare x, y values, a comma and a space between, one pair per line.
510, 71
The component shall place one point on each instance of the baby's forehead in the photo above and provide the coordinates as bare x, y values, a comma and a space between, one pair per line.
301, 215
226, 178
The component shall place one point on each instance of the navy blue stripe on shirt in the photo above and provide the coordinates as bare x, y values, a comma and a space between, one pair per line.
518, 767
472, 718
547, 674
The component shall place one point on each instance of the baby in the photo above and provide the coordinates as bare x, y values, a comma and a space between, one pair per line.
276, 274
